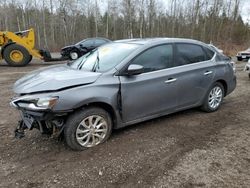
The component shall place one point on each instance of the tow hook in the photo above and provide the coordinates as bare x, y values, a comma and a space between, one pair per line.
19, 132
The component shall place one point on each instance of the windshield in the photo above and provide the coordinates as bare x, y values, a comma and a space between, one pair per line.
104, 58
82, 41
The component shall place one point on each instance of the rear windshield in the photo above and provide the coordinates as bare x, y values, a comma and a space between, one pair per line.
104, 58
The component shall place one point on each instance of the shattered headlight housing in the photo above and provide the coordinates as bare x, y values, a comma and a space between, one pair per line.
31, 103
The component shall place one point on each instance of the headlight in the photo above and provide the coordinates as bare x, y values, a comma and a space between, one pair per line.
43, 103
48, 102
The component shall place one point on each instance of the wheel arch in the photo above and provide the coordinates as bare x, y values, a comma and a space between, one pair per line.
9, 43
75, 49
224, 84
105, 106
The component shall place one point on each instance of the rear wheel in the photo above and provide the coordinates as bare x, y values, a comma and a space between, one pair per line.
239, 58
16, 55
213, 98
87, 128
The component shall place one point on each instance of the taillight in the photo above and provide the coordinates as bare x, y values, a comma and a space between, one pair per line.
232, 63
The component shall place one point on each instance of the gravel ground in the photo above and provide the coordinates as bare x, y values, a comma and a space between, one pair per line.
185, 149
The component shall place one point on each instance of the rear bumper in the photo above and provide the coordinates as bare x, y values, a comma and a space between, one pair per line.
232, 85
247, 56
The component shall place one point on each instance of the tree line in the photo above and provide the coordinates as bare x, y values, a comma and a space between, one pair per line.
61, 22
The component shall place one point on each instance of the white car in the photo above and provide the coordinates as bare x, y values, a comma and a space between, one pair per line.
243, 55
247, 68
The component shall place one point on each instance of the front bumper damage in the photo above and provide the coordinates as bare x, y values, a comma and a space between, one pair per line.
46, 122
36, 112
26, 122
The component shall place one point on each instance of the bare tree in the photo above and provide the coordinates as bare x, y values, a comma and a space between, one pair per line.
61, 22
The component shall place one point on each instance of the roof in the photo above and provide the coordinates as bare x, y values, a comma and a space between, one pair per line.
144, 41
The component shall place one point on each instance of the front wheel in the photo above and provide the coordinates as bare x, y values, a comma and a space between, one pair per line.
87, 128
213, 98
74, 54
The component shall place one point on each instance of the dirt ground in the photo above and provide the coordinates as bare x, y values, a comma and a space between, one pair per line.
186, 149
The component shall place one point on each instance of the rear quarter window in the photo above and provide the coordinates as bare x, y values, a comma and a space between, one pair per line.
209, 53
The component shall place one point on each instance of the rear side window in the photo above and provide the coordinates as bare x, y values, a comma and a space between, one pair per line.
189, 53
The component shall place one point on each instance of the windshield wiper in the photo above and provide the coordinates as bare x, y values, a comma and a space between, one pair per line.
97, 64
81, 64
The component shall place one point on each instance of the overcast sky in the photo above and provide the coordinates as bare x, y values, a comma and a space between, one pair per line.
245, 12
244, 9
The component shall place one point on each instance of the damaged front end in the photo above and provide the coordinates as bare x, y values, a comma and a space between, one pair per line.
37, 113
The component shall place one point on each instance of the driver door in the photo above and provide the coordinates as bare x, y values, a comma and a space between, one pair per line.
154, 91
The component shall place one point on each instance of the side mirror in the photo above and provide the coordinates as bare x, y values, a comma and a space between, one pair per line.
134, 69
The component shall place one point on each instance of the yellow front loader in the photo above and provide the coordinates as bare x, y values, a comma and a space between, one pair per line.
18, 48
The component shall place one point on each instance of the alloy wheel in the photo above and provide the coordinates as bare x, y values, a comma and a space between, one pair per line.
73, 55
91, 131
215, 97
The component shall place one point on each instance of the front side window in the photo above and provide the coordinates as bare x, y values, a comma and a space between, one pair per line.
156, 58
189, 53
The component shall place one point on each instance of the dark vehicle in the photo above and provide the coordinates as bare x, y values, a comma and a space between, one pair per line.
119, 84
243, 55
77, 50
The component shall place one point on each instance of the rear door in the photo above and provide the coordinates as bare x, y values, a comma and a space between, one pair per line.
195, 71
152, 92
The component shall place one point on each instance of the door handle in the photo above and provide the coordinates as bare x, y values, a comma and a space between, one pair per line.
170, 80
208, 72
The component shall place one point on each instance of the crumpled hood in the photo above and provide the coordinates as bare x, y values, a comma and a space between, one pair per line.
67, 47
53, 78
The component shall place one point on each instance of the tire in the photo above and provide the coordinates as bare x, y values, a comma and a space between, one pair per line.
208, 105
79, 134
30, 59
74, 54
16, 55
239, 58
